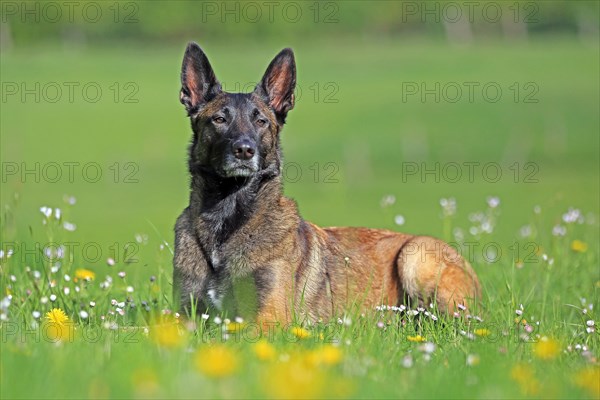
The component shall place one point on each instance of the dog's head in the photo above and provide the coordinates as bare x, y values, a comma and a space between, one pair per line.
236, 135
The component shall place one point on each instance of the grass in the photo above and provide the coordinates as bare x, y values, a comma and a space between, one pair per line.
141, 349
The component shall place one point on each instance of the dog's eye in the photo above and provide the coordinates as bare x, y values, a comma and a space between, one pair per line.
219, 120
261, 122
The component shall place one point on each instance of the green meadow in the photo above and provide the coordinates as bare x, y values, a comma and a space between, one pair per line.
492, 146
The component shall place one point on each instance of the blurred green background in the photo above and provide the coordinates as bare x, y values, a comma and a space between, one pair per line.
353, 130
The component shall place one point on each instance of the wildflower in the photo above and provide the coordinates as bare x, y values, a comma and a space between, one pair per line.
417, 338
399, 220
388, 200
327, 355
461, 307
448, 206
205, 317
482, 332
44, 300
493, 202
130, 289
588, 379
167, 334
218, 320
71, 200
559, 230
572, 215
57, 316
141, 238
264, 350
472, 360
67, 291
525, 231
83, 314
233, 327
380, 325
525, 378
579, 246
294, 379
47, 211
92, 304
69, 226
52, 297
84, 274
300, 332
216, 361
122, 274
36, 314
427, 347
110, 262
590, 323
407, 361
546, 348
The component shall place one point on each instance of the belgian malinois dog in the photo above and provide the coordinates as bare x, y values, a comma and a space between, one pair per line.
242, 248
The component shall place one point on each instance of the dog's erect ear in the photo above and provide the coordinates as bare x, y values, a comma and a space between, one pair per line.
278, 84
198, 81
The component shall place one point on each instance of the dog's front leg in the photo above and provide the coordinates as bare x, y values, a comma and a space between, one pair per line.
190, 269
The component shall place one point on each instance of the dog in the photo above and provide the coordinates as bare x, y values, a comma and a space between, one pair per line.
241, 247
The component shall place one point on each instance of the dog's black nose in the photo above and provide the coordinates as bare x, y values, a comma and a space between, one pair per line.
243, 149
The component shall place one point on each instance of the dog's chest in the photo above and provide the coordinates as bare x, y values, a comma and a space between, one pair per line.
228, 268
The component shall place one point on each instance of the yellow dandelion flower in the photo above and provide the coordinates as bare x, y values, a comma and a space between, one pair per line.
589, 379
58, 327
326, 355
482, 332
417, 338
167, 335
526, 379
300, 333
579, 246
57, 316
546, 348
234, 327
294, 380
473, 360
264, 350
85, 274
216, 361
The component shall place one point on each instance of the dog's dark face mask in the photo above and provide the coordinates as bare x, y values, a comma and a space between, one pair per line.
236, 135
